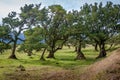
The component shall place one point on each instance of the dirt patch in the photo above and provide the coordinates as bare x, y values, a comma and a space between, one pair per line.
36, 73
106, 69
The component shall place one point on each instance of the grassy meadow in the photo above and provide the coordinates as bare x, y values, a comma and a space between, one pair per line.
64, 61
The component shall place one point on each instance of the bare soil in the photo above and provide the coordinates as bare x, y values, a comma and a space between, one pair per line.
106, 69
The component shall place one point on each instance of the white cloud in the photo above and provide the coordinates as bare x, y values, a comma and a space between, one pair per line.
7, 6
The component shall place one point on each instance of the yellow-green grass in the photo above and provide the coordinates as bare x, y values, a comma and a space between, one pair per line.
64, 60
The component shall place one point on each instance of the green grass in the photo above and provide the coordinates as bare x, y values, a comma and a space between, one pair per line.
64, 59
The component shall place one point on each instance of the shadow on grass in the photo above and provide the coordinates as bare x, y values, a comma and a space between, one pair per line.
63, 63
114, 48
69, 52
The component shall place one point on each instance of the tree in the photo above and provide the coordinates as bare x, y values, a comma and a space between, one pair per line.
55, 29
78, 33
31, 13
33, 41
4, 46
56, 24
52, 21
101, 22
17, 23
114, 41
15, 26
35, 17
4, 31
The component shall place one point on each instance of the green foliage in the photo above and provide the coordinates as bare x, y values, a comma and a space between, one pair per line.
15, 26
4, 31
30, 13
51, 27
115, 40
54, 25
102, 20
4, 46
33, 41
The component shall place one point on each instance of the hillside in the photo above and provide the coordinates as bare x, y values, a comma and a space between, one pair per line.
105, 69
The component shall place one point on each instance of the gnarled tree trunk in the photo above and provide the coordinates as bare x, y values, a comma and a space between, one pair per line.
54, 49
80, 55
102, 52
51, 54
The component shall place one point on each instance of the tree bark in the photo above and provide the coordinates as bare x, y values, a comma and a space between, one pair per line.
96, 47
80, 55
29, 53
13, 56
75, 49
52, 51
42, 56
102, 52
51, 54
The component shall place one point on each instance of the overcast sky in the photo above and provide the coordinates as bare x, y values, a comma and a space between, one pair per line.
7, 6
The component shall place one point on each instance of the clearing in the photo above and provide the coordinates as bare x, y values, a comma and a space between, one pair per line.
62, 68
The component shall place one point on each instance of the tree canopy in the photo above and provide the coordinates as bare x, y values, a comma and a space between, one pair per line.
51, 27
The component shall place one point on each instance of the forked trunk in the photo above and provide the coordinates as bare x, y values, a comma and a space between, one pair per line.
13, 56
51, 54
80, 55
102, 51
